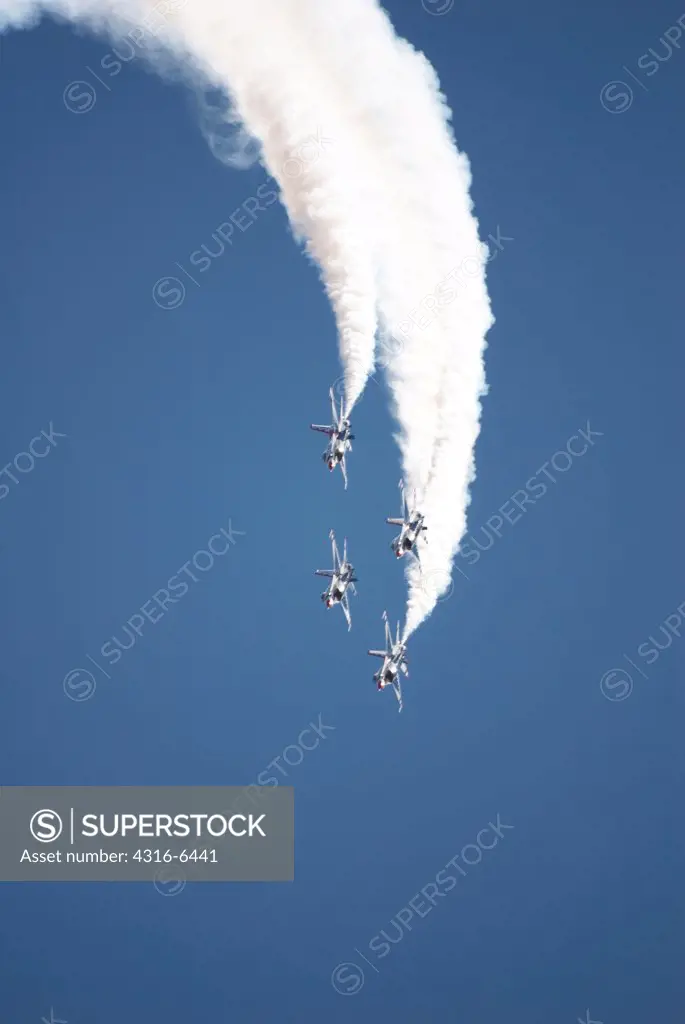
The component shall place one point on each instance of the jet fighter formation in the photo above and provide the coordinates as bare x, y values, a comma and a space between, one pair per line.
342, 577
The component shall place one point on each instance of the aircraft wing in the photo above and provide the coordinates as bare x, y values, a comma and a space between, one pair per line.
346, 611
378, 654
343, 468
322, 429
395, 522
398, 693
324, 572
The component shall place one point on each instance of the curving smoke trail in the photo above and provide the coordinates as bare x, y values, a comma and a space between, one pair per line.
350, 121
433, 305
259, 55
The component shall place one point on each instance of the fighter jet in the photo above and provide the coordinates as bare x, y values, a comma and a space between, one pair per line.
339, 438
394, 661
342, 579
412, 528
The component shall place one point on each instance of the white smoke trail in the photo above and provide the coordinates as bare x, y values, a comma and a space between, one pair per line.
385, 210
258, 55
424, 231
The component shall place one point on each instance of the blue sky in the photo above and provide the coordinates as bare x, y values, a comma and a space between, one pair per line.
180, 422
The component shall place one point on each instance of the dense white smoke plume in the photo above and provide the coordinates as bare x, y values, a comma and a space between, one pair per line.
350, 121
432, 298
257, 51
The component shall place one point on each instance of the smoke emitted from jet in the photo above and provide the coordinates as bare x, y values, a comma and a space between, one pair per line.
433, 328
224, 130
261, 58
349, 120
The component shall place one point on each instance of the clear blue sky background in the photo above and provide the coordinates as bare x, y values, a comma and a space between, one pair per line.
181, 420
